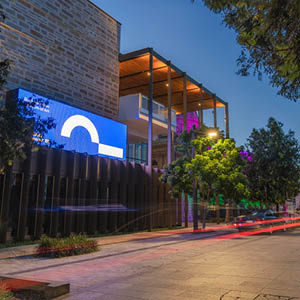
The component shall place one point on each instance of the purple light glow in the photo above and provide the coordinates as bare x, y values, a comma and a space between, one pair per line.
191, 120
245, 155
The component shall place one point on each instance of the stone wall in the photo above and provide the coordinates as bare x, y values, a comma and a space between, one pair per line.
64, 49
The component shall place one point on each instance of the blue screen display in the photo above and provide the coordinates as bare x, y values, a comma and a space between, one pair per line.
79, 130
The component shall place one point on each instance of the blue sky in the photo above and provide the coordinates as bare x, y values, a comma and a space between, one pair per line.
194, 39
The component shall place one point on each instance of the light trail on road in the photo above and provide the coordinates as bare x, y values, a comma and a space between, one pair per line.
104, 263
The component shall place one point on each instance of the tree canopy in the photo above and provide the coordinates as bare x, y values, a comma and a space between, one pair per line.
175, 173
269, 33
220, 169
274, 170
217, 166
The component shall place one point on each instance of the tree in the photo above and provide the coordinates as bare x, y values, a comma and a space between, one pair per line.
219, 169
269, 33
18, 123
274, 172
176, 174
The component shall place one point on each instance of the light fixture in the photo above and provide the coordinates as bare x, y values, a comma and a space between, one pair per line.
212, 134
148, 73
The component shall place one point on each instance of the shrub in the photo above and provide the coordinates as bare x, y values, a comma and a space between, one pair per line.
69, 246
5, 294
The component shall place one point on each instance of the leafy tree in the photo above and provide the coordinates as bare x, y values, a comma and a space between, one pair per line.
219, 169
175, 173
274, 173
269, 33
18, 123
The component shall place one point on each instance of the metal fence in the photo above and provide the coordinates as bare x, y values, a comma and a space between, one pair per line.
57, 192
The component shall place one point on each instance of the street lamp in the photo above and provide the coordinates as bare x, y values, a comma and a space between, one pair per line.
212, 134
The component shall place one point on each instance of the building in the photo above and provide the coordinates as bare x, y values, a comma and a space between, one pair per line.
64, 50
69, 51
145, 74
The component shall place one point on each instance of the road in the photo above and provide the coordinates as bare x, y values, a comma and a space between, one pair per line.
205, 266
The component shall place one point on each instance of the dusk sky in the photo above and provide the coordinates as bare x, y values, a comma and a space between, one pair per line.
194, 39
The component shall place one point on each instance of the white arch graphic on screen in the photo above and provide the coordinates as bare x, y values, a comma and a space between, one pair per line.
86, 123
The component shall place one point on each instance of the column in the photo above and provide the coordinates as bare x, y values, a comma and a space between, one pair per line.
227, 121
169, 113
184, 102
215, 111
150, 137
200, 112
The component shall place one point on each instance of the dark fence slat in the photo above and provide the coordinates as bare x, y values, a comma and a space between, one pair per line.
58, 192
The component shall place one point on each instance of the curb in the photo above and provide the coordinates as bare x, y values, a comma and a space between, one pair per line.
50, 290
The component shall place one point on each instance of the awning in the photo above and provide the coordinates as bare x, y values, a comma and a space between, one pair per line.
134, 78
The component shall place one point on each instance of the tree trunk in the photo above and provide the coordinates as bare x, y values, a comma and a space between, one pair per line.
227, 213
218, 208
195, 206
186, 210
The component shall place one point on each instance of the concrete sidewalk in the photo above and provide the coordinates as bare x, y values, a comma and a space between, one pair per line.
28, 250
215, 265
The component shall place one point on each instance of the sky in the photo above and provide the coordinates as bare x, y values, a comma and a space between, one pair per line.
197, 42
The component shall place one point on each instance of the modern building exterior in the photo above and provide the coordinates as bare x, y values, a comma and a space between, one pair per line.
145, 72
64, 50
68, 51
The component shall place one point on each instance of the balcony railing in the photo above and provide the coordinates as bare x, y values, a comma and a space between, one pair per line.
159, 111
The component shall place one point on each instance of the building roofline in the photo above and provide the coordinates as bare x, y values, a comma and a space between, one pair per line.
103, 11
141, 52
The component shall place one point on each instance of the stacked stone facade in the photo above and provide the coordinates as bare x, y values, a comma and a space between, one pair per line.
63, 49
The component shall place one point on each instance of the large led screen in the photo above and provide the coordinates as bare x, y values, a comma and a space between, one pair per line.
79, 130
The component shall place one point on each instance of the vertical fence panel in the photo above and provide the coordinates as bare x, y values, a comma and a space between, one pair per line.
27, 167
155, 198
59, 192
139, 197
122, 216
93, 194
83, 170
54, 218
131, 196
40, 199
102, 216
5, 216
114, 194
72, 165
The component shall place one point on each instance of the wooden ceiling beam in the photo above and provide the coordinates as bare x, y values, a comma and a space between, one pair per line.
141, 72
191, 102
145, 85
173, 93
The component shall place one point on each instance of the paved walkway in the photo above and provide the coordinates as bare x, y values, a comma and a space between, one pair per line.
187, 266
108, 240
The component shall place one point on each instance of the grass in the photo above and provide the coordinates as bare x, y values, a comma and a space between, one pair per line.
69, 246
5, 294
